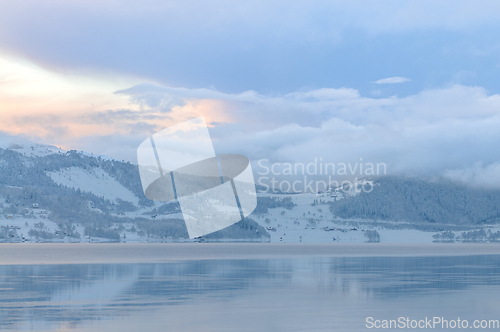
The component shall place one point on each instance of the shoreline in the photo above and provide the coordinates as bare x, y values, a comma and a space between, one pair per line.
132, 253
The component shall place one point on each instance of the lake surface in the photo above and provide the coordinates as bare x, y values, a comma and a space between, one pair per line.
273, 291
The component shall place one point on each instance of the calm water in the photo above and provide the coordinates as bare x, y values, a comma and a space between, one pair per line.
265, 294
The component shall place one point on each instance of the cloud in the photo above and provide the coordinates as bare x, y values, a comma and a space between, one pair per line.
40, 102
268, 46
430, 132
477, 175
28, 91
427, 133
392, 80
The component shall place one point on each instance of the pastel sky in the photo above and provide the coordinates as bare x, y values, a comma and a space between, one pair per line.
413, 84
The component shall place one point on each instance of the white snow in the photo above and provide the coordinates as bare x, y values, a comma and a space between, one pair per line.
23, 225
95, 181
32, 149
294, 225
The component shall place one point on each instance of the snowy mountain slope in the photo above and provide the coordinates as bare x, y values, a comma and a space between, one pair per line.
420, 201
95, 181
33, 149
26, 147
76, 197
73, 196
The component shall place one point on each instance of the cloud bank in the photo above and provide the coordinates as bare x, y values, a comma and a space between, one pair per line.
439, 132
392, 80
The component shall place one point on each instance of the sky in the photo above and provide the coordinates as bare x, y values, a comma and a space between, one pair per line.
413, 84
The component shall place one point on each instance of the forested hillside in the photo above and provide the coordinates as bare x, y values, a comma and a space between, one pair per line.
73, 196
27, 192
414, 200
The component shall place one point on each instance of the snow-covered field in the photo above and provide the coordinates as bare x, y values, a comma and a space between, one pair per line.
307, 223
23, 225
95, 181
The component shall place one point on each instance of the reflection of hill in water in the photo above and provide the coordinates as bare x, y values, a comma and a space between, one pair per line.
50, 294
403, 276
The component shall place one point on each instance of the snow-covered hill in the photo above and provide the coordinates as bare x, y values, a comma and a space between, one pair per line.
47, 194
51, 195
25, 146
95, 181
311, 221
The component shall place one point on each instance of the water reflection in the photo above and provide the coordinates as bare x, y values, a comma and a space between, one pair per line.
317, 293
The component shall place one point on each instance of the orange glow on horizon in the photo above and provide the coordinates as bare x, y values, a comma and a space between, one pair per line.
39, 103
